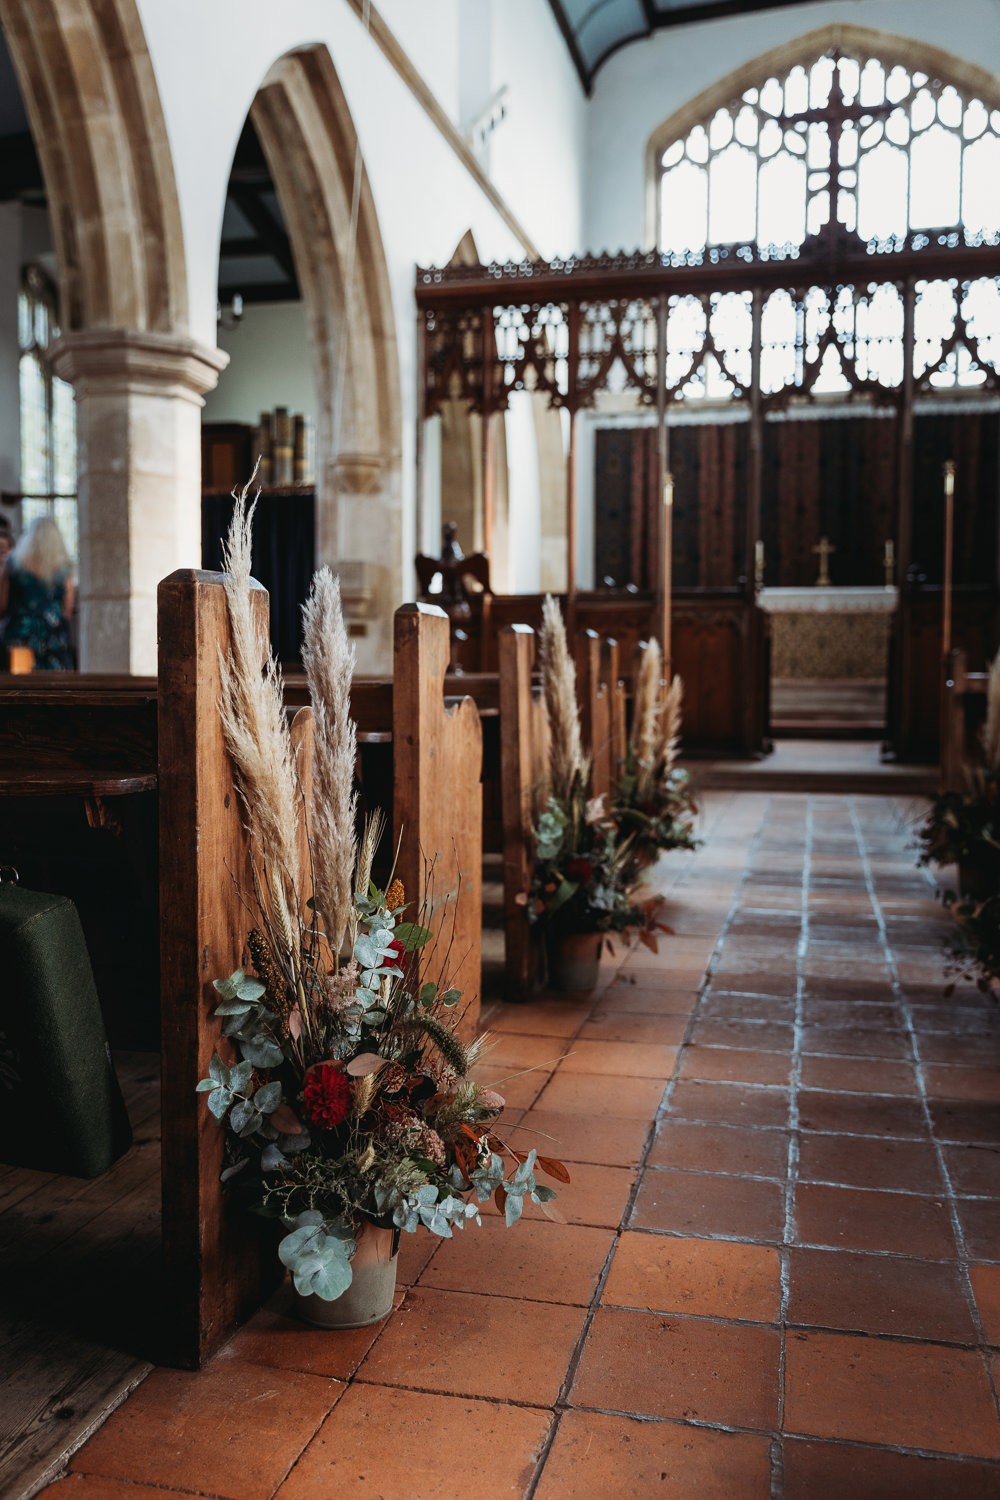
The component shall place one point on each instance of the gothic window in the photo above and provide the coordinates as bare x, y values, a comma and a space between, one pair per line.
848, 156
48, 412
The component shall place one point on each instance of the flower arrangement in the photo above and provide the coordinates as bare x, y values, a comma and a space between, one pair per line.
579, 881
654, 802
350, 1102
963, 828
978, 960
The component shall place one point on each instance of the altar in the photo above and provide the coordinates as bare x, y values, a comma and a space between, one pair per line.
829, 632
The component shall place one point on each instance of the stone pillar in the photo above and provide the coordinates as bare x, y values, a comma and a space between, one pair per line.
138, 401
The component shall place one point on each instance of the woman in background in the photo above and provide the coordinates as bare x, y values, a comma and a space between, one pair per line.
37, 593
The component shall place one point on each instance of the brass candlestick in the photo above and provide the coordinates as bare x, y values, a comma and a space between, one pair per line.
949, 545
758, 564
889, 564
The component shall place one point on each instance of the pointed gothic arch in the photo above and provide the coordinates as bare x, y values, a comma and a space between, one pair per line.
859, 41
308, 137
94, 109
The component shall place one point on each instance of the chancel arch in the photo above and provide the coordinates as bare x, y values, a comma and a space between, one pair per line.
309, 139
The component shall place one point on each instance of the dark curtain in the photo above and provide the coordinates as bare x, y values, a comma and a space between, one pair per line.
834, 478
971, 439
626, 473
284, 556
709, 465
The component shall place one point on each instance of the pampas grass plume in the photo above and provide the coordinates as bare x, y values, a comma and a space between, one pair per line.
670, 726
645, 739
567, 765
256, 733
329, 658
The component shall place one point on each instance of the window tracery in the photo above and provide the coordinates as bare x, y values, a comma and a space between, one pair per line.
47, 410
849, 154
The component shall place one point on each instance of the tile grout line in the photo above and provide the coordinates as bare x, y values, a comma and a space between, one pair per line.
562, 1403
794, 1140
949, 1194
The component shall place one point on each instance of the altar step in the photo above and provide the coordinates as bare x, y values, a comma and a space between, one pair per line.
812, 708
808, 765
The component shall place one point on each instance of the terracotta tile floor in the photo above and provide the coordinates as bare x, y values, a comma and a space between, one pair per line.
779, 1270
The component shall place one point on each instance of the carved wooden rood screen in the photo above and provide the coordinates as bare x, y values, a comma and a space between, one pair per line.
846, 257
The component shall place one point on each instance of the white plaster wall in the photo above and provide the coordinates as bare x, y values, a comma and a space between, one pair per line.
270, 364
424, 196
537, 153
640, 86
524, 523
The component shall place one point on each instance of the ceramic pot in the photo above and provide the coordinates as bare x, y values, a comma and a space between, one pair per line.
574, 960
369, 1296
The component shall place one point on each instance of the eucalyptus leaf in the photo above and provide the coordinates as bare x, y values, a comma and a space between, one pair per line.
228, 987
251, 989
268, 1097
512, 1209
243, 1110
219, 1101
263, 1051
234, 1008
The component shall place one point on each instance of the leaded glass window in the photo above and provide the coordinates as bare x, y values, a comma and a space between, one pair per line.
848, 156
48, 413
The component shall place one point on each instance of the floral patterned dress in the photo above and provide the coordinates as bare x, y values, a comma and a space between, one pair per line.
35, 618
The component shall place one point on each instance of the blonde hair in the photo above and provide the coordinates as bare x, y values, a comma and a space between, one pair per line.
42, 551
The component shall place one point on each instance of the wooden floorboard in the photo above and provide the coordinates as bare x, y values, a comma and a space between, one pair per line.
80, 1276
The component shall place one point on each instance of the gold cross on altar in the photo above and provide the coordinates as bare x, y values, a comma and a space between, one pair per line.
824, 549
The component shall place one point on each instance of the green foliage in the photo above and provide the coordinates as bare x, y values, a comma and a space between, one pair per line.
400, 1138
960, 824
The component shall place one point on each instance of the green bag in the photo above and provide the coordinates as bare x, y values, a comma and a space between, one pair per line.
61, 1109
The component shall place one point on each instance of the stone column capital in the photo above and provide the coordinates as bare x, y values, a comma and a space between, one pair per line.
358, 473
122, 361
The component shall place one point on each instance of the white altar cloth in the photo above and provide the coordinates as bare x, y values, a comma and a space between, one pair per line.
831, 600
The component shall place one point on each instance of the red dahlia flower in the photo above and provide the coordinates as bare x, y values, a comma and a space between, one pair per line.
580, 869
326, 1096
399, 949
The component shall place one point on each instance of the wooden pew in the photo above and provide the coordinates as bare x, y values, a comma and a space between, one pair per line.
217, 1267
78, 817
524, 755
721, 646
963, 705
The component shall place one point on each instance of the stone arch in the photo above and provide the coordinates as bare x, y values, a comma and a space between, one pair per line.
861, 41
95, 114
308, 137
